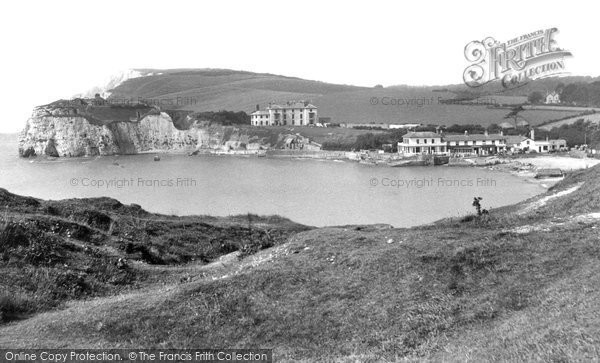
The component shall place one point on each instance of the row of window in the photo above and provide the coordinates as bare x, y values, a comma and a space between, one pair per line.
417, 149
433, 141
424, 141
486, 142
266, 123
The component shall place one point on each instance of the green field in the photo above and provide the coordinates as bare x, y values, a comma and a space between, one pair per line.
214, 90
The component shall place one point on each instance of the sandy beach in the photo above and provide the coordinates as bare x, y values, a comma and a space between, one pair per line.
527, 167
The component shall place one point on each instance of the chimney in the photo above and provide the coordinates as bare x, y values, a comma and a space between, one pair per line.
466, 132
533, 134
486, 132
257, 107
501, 132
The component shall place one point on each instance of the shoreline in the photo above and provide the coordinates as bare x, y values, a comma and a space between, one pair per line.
526, 167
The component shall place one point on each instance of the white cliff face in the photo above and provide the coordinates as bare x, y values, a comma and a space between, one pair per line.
113, 82
63, 133
65, 136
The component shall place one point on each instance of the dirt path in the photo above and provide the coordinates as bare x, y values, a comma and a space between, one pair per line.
44, 330
544, 200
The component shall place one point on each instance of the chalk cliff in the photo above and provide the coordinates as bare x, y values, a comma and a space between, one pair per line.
81, 128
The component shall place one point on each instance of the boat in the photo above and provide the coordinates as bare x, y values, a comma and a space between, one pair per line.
549, 173
441, 160
367, 162
156, 158
400, 163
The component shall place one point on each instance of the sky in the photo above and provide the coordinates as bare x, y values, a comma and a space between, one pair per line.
55, 49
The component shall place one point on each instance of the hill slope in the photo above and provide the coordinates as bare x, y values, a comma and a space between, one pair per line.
520, 284
219, 89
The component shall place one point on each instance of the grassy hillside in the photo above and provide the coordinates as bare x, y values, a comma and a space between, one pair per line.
214, 89
541, 85
51, 252
519, 284
217, 89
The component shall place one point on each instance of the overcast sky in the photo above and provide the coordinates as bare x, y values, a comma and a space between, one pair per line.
54, 49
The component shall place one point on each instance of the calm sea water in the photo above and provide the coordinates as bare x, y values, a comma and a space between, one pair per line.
312, 192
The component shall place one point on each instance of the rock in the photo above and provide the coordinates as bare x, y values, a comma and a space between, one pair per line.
67, 129
51, 149
27, 152
122, 264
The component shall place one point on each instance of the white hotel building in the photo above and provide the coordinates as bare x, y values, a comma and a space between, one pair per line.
293, 113
414, 143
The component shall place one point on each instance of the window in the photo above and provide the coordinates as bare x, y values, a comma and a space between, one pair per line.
424, 141
417, 141
432, 141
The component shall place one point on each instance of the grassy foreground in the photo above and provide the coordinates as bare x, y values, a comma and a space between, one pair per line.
520, 284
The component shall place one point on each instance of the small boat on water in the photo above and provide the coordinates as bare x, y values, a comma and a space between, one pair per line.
441, 160
156, 158
401, 163
549, 173
367, 162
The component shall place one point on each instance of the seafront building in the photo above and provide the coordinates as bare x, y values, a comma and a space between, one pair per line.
476, 144
523, 143
426, 142
416, 143
291, 113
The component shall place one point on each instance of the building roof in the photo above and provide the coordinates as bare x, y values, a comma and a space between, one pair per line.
474, 137
422, 134
260, 113
552, 141
515, 139
292, 104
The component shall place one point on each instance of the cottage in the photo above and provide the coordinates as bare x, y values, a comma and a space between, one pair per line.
552, 98
550, 145
516, 143
522, 143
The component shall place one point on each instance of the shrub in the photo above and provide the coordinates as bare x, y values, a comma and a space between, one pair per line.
11, 306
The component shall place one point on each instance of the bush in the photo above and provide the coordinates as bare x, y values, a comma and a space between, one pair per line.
11, 307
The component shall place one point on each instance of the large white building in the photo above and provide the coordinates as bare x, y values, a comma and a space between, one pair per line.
292, 113
426, 142
416, 143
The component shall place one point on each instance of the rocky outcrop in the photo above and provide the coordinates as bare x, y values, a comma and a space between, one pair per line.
62, 130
